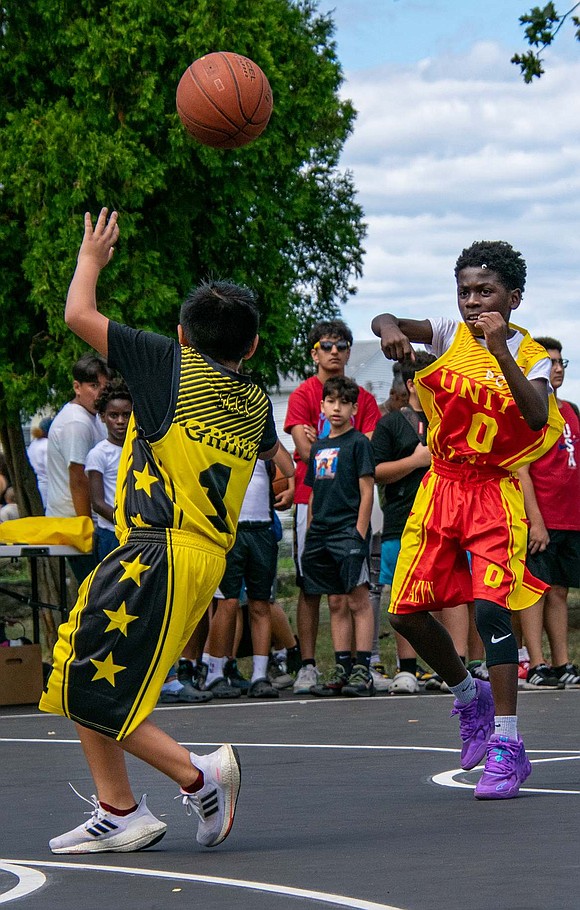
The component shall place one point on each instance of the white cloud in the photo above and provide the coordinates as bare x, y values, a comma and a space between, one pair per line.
457, 149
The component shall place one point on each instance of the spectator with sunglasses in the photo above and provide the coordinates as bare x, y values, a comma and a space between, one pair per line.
330, 342
552, 496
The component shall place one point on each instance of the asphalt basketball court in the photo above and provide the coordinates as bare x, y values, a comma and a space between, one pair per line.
344, 803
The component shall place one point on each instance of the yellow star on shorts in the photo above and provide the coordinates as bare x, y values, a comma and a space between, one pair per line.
106, 669
144, 480
133, 570
119, 619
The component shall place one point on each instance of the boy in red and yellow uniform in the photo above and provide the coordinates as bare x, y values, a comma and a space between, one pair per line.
491, 410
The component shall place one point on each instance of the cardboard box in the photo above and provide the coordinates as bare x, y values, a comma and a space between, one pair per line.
20, 675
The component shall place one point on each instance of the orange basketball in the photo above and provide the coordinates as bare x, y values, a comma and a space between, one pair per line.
280, 483
224, 100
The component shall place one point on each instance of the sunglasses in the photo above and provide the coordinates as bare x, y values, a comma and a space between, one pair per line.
327, 346
561, 363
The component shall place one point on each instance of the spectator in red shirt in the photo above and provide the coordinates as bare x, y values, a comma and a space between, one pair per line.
330, 343
551, 488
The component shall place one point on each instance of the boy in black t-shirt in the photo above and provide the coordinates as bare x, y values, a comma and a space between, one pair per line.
336, 552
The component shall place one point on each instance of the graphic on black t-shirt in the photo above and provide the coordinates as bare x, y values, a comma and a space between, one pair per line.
326, 463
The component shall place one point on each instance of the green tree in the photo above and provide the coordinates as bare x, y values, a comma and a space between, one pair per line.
542, 26
87, 118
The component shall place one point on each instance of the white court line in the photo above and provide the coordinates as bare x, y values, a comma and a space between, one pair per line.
447, 778
29, 880
338, 900
357, 747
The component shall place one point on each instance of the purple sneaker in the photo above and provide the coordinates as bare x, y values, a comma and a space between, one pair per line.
476, 724
506, 768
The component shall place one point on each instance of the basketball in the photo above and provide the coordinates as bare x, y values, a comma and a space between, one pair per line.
224, 100
280, 483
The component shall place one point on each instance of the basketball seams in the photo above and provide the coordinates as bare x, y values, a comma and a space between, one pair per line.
246, 97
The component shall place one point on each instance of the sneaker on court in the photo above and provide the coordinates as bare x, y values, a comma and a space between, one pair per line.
436, 684
105, 832
476, 724
234, 677
333, 685
221, 688
186, 672
541, 677
307, 677
215, 803
404, 683
381, 681
568, 676
262, 688
360, 683
278, 673
423, 675
506, 768
187, 695
478, 669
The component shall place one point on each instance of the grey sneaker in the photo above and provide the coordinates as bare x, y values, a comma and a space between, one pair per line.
278, 673
105, 832
215, 803
307, 677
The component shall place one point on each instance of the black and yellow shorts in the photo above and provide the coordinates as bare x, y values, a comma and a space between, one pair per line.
132, 619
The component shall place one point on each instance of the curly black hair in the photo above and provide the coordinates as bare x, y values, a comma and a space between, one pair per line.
499, 257
114, 389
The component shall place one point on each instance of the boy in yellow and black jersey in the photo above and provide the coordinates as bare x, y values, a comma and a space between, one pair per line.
197, 427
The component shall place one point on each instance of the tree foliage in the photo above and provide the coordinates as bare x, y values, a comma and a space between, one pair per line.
87, 118
542, 26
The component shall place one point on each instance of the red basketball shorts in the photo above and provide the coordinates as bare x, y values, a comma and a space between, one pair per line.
460, 509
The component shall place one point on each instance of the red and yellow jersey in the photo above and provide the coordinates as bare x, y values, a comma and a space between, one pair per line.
471, 411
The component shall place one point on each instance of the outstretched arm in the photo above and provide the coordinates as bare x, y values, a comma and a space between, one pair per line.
397, 334
81, 313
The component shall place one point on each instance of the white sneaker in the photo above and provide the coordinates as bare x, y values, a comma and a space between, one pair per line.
107, 832
381, 682
215, 803
306, 677
404, 684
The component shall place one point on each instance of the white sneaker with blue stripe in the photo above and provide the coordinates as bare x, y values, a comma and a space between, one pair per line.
105, 832
215, 803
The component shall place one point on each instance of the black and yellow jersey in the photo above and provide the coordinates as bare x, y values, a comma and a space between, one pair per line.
196, 431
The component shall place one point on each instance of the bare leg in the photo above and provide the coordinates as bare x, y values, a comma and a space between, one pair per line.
456, 621
504, 686
556, 624
433, 643
532, 623
220, 641
106, 761
475, 649
307, 615
340, 623
360, 608
261, 626
282, 634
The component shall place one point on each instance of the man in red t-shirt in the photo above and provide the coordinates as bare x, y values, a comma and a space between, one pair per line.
552, 496
330, 343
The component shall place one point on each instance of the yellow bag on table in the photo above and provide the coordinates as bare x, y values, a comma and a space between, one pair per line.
42, 531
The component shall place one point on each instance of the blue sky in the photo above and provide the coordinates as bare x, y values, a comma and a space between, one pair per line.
450, 146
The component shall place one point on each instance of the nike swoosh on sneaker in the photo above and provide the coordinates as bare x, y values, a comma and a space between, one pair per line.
496, 641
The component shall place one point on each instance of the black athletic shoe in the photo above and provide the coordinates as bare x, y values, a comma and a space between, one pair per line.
568, 676
360, 683
541, 677
332, 686
221, 688
234, 677
262, 688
